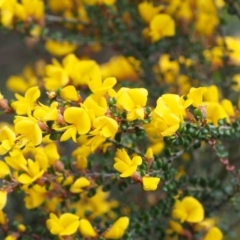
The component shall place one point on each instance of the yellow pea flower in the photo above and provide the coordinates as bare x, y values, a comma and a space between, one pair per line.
206, 23
67, 224
118, 229
196, 95
69, 93
165, 125
10, 237
176, 227
18, 83
176, 104
35, 196
214, 233
189, 209
3, 199
28, 130
7, 139
215, 112
122, 68
94, 2
169, 68
60, 48
228, 107
16, 159
81, 71
4, 169
105, 127
51, 152
212, 94
7, 12
150, 183
86, 229
79, 120
57, 76
100, 87
27, 103
124, 164
147, 11
32, 172
3, 219
133, 101
96, 103
79, 184
162, 25
46, 113
31, 8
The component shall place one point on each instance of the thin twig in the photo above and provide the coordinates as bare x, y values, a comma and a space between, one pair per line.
53, 18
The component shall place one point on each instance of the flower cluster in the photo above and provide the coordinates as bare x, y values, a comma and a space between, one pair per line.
112, 134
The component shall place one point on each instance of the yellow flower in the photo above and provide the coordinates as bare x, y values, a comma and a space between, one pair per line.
169, 68
79, 120
46, 113
81, 71
121, 68
79, 184
21, 228
28, 130
215, 112
86, 228
32, 172
3, 219
3, 199
150, 183
16, 159
100, 87
7, 139
105, 127
27, 103
196, 95
60, 48
21, 83
69, 93
94, 2
36, 195
176, 227
162, 25
97, 104
66, 225
206, 23
212, 94
125, 165
176, 104
147, 11
4, 169
118, 229
188, 209
31, 8
214, 233
133, 101
7, 12
51, 152
228, 107
57, 76
167, 116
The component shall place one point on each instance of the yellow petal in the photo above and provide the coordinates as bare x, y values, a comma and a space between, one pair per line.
3, 199
118, 229
214, 233
86, 228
